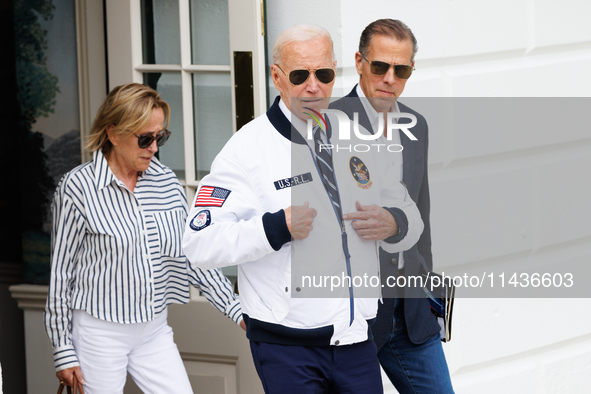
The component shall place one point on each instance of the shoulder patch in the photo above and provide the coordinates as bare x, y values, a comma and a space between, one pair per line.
211, 196
201, 220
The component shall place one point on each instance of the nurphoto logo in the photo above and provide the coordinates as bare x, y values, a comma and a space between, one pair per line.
345, 124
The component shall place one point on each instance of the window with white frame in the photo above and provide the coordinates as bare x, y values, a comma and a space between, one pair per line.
186, 50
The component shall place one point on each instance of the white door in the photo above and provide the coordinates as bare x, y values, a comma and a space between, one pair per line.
206, 59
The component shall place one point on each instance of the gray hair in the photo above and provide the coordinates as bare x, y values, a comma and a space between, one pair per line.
300, 33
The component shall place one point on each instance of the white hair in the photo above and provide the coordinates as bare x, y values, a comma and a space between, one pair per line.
300, 33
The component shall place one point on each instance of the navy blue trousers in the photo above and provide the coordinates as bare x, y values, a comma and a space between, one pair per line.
350, 369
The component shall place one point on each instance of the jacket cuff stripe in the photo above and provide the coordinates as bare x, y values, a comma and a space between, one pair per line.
276, 229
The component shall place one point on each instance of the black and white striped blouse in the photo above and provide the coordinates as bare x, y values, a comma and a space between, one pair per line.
117, 254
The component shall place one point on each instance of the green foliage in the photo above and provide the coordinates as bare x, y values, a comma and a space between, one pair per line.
37, 87
36, 252
36, 93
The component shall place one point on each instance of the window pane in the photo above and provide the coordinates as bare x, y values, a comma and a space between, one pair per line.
231, 273
210, 32
212, 100
172, 154
160, 32
47, 136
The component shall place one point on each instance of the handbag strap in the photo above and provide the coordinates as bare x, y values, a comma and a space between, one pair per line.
77, 386
61, 389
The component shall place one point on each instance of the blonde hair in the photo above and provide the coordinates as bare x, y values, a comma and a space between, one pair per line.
299, 33
127, 107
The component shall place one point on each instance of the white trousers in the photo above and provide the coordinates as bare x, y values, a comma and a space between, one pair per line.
107, 351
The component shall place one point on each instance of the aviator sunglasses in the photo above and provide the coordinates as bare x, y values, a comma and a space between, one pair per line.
298, 77
401, 71
145, 140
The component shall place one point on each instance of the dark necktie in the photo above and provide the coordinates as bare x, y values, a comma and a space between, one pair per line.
324, 160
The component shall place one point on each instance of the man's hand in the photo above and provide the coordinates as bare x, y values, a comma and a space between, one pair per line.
67, 376
371, 222
299, 220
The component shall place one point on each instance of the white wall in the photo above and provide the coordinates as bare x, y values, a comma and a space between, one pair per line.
510, 199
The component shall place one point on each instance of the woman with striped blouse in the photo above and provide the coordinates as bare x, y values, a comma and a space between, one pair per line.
117, 261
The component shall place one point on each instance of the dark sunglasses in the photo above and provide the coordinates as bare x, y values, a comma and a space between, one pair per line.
298, 77
145, 140
401, 71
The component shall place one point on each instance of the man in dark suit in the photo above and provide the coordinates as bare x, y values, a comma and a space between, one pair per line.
406, 332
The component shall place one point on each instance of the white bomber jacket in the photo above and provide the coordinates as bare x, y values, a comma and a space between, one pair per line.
287, 288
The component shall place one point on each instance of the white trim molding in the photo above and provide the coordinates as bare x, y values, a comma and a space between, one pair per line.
30, 297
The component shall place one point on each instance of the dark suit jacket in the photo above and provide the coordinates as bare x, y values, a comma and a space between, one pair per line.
420, 322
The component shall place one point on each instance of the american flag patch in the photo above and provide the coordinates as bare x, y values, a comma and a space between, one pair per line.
211, 196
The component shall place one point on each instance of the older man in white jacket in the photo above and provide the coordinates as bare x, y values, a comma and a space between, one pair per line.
271, 207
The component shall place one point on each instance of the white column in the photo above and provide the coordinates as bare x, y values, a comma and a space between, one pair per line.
40, 371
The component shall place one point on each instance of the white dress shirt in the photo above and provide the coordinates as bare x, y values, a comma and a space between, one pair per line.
374, 118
